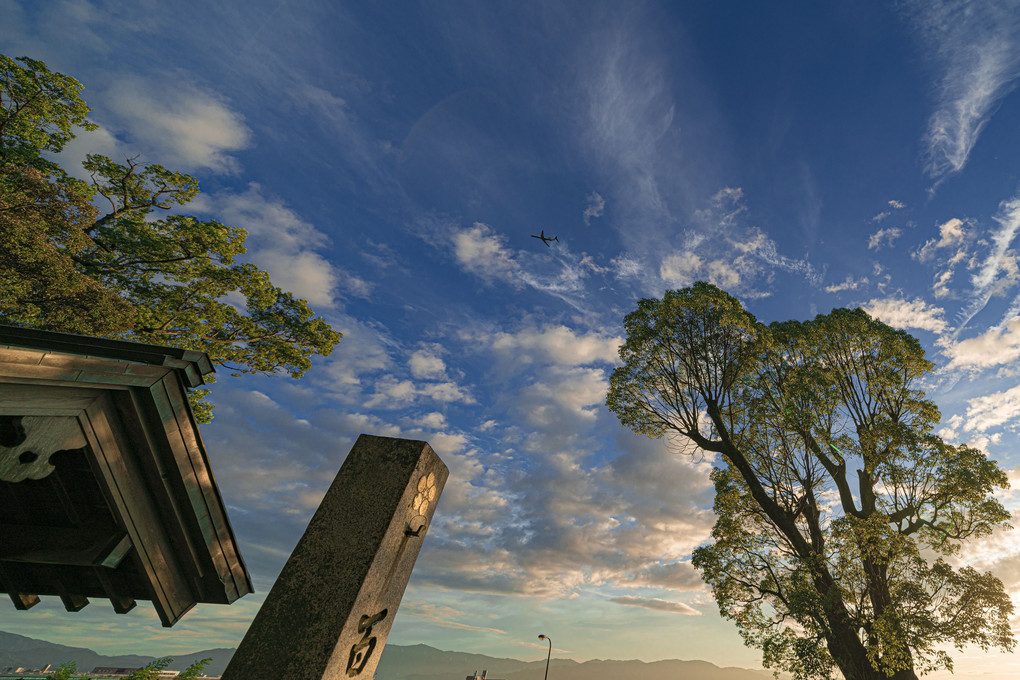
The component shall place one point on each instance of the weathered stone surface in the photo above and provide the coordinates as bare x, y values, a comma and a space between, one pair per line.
331, 609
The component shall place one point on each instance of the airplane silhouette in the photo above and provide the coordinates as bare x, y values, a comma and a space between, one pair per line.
545, 239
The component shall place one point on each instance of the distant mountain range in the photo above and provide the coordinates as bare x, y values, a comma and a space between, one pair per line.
398, 662
18, 650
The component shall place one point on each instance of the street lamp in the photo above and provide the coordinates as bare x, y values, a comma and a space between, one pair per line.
548, 656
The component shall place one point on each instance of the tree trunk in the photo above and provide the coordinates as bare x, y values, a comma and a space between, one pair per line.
851, 657
905, 674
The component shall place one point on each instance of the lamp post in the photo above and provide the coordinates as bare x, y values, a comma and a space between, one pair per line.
548, 656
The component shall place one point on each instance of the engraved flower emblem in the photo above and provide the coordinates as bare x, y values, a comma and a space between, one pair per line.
426, 493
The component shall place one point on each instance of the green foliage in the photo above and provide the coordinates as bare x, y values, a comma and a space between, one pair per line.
195, 670
38, 112
832, 492
66, 671
129, 272
151, 670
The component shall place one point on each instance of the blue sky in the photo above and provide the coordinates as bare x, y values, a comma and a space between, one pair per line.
390, 161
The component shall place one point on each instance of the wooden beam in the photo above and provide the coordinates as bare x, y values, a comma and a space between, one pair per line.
79, 546
23, 602
122, 603
74, 603
117, 467
12, 583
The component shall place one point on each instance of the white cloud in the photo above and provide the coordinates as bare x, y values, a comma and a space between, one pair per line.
563, 397
901, 313
306, 274
881, 216
848, 284
875, 241
354, 284
448, 444
998, 345
542, 536
391, 393
483, 252
897, 205
282, 243
951, 233
993, 410
596, 207
557, 345
755, 241
424, 363
656, 604
680, 269
363, 351
953, 236
176, 123
100, 141
975, 45
446, 391
431, 421
725, 274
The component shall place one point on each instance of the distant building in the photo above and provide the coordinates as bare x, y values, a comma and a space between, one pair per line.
483, 676
110, 670
98, 673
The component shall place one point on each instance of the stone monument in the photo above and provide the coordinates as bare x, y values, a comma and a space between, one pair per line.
329, 613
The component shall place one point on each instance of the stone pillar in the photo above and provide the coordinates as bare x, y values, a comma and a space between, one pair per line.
329, 613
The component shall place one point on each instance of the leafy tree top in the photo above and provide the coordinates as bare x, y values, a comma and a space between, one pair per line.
837, 504
106, 258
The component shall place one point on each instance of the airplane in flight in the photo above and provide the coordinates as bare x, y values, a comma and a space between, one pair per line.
545, 239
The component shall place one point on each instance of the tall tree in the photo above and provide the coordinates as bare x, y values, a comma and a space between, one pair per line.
836, 503
93, 258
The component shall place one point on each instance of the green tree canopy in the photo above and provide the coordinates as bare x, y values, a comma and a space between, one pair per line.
836, 503
67, 670
106, 258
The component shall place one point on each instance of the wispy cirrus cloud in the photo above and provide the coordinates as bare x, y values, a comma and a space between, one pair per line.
656, 604
444, 616
596, 207
849, 283
485, 252
998, 271
760, 246
884, 237
976, 47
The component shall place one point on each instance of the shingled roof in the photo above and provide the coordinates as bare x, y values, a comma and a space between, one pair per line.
106, 490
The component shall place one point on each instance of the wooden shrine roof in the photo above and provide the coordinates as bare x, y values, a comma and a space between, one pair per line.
106, 490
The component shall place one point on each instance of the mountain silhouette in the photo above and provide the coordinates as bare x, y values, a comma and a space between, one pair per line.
398, 662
